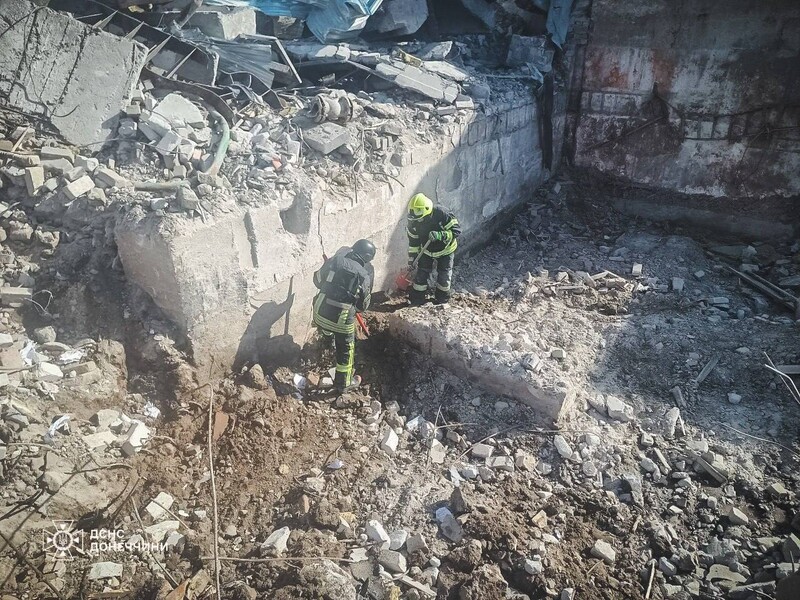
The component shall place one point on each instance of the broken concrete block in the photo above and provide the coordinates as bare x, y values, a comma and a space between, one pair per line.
416, 543
6, 341
437, 452
414, 78
137, 436
562, 446
377, 533
449, 525
90, 164
187, 198
169, 143
75, 65
224, 22
398, 539
326, 137
392, 561
52, 152
178, 112
737, 517
50, 185
159, 506
14, 296
619, 410
49, 372
75, 173
57, 166
636, 269
604, 551
161, 530
677, 284
78, 188
105, 177
389, 442
445, 69
53, 480
275, 544
399, 17
34, 180
44, 335
501, 463
483, 451
104, 417
734, 398
105, 570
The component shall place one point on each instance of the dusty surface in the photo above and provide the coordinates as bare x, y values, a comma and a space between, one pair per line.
305, 460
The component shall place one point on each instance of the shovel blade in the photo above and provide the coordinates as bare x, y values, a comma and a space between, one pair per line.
402, 281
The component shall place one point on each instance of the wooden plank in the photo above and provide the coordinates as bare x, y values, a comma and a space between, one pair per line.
707, 369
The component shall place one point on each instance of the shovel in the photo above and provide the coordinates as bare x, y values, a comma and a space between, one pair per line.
403, 280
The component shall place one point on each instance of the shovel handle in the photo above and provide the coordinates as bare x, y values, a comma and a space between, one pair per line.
421, 252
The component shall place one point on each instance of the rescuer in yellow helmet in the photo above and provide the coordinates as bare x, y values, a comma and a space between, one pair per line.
438, 229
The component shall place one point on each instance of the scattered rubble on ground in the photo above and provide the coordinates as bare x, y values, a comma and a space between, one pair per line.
672, 461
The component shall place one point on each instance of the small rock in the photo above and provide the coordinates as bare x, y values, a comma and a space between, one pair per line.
619, 410
604, 551
397, 539
734, 398
44, 335
449, 525
416, 543
562, 446
377, 533
389, 442
105, 570
275, 544
392, 561
534, 567
482, 451
558, 353
737, 517
666, 567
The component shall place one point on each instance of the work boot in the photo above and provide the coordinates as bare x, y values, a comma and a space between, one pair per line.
355, 381
417, 298
441, 297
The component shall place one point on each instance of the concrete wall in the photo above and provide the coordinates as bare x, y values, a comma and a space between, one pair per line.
54, 67
239, 284
728, 119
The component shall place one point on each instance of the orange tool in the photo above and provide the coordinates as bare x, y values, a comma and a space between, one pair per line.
403, 280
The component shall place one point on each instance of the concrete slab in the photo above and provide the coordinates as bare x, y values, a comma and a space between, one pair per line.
442, 341
74, 76
224, 22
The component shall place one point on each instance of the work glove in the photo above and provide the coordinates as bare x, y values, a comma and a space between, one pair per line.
436, 236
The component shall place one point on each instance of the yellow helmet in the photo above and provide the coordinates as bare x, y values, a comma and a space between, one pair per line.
420, 206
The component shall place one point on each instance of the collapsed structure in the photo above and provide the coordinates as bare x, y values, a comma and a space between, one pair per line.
172, 175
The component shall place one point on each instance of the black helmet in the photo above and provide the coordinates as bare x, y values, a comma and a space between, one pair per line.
365, 250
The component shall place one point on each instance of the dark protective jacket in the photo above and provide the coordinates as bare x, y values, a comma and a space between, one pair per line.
345, 281
438, 220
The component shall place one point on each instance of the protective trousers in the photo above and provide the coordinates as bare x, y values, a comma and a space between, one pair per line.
444, 278
338, 321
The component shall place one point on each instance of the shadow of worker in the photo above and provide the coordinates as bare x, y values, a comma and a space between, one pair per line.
258, 345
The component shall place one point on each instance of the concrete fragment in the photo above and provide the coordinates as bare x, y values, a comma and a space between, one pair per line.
437, 452
326, 137
49, 372
666, 567
445, 69
392, 561
533, 567
159, 506
90, 164
104, 417
105, 177
100, 439
377, 533
482, 450
501, 463
169, 143
78, 188
74, 173
14, 296
161, 530
179, 111
677, 284
734, 398
399, 17
414, 78
397, 539
604, 551
105, 570
54, 152
6, 341
416, 543
137, 436
737, 517
34, 180
791, 547
389, 442
777, 490
53, 480
449, 525
44, 335
75, 65
619, 410
187, 198
224, 22
275, 544
58, 166
562, 446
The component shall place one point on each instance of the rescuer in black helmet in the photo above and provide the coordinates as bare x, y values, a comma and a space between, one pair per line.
345, 288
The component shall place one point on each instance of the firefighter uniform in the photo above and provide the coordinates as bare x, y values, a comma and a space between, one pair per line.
440, 230
345, 284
